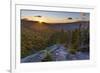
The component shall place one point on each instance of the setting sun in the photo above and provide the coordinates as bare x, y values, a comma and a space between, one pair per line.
40, 21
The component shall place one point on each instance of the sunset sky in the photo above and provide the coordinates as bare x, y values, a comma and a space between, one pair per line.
53, 16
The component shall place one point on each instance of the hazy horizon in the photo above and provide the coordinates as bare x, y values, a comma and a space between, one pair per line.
54, 16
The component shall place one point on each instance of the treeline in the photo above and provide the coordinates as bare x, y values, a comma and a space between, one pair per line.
34, 41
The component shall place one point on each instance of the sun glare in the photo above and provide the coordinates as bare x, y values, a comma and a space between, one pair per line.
40, 21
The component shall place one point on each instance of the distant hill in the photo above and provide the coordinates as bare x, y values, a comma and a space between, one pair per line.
27, 23
35, 25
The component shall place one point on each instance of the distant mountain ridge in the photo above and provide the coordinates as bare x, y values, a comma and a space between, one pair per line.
65, 26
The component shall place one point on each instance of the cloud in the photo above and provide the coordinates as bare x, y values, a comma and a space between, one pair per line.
49, 19
38, 16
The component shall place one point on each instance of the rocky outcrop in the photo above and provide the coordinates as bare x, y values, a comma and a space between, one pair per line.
35, 57
57, 53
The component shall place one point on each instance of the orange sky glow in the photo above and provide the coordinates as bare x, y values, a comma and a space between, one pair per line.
49, 19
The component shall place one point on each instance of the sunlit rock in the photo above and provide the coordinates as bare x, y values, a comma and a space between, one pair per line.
35, 57
58, 53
